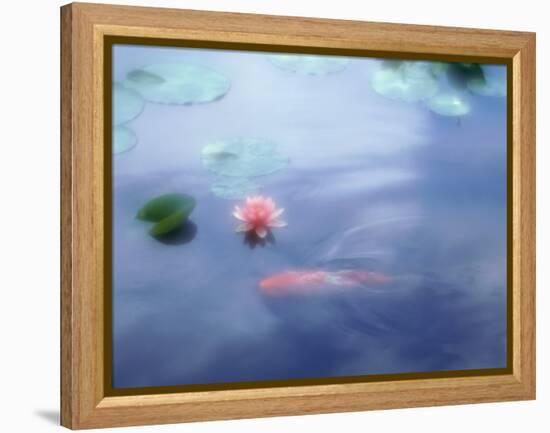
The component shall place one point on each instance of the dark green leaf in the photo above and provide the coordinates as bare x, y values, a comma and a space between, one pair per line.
169, 223
459, 74
164, 206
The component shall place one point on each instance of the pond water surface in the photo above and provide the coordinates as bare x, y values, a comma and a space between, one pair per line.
369, 183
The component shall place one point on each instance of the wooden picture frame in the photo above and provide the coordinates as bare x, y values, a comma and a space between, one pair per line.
85, 400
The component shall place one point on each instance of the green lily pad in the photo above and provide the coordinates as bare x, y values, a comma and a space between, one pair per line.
127, 104
448, 104
164, 205
438, 68
177, 83
308, 64
459, 74
243, 157
233, 188
409, 81
124, 139
168, 211
493, 84
144, 77
391, 63
168, 224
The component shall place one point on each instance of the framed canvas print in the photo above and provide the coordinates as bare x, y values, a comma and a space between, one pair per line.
269, 216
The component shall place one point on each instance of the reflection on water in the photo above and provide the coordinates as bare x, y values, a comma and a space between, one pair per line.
180, 236
370, 184
253, 240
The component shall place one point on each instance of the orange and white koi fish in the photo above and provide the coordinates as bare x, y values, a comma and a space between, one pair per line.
302, 282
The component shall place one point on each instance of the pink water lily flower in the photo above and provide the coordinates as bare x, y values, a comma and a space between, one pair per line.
258, 214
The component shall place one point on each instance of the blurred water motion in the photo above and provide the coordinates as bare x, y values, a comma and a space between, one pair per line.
370, 185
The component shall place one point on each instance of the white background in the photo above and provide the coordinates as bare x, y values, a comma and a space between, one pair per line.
29, 216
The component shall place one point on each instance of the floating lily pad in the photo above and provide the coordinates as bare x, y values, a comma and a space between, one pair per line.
164, 205
124, 139
493, 84
234, 187
168, 224
407, 81
168, 212
438, 68
177, 83
140, 76
309, 65
242, 157
459, 74
391, 63
448, 104
127, 104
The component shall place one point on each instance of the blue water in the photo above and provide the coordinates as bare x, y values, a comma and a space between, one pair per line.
373, 184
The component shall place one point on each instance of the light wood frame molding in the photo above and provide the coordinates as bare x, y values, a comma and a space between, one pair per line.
84, 403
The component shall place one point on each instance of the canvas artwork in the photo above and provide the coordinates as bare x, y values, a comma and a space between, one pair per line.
280, 216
